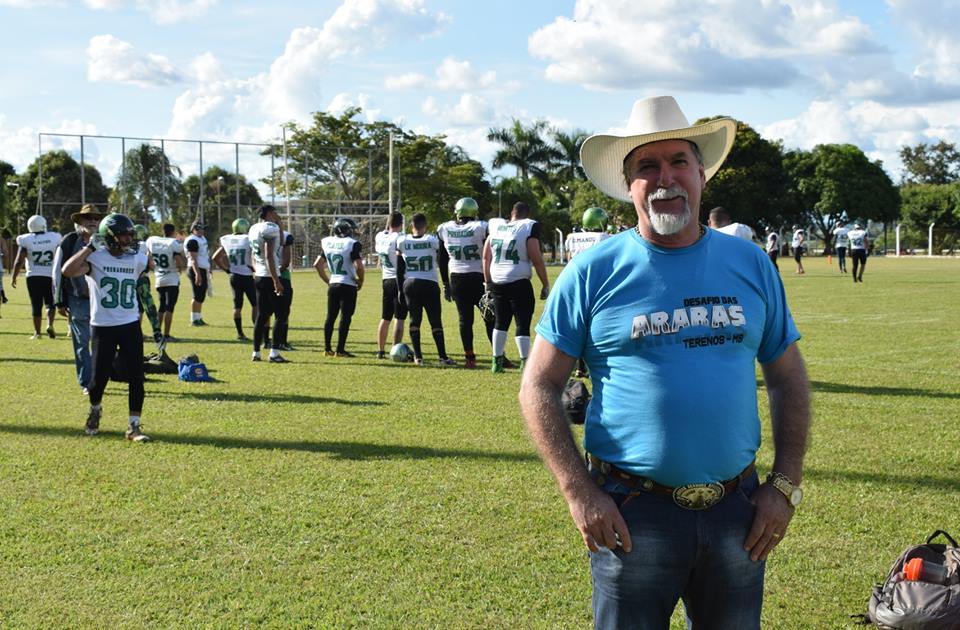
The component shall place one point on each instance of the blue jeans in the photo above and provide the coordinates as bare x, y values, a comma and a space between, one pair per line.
80, 334
696, 556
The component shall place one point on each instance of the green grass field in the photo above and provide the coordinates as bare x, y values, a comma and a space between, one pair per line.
361, 493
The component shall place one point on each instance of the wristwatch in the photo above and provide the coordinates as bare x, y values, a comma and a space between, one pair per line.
781, 482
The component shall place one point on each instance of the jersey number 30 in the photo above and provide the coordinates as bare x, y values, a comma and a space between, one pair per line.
117, 292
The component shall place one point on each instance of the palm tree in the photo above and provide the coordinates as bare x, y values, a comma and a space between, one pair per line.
566, 153
149, 179
523, 147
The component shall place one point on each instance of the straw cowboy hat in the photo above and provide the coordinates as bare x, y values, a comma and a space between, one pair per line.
651, 120
88, 211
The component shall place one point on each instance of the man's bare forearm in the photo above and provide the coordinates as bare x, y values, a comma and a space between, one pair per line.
789, 394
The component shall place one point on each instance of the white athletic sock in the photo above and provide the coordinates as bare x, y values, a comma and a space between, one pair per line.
274, 352
194, 316
499, 342
523, 346
256, 354
134, 421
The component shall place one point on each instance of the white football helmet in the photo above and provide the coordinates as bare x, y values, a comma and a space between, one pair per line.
36, 223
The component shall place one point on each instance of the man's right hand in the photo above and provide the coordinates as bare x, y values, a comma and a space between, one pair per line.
197, 278
63, 311
599, 520
277, 287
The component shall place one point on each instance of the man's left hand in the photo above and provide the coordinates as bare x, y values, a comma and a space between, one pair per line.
446, 293
769, 522
545, 291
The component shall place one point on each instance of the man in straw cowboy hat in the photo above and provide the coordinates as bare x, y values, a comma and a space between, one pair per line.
670, 319
71, 295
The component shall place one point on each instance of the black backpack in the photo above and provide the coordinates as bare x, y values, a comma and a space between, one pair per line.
915, 604
575, 399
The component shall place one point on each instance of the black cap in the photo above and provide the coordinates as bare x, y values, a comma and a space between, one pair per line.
265, 210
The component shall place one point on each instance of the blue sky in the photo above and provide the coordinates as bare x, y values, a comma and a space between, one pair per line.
876, 74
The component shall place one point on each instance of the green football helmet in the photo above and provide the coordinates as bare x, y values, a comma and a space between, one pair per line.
140, 232
240, 226
112, 228
466, 207
344, 227
595, 219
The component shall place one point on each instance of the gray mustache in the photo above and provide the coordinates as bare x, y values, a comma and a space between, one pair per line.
661, 194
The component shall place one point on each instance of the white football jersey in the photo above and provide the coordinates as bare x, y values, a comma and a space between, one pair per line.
773, 241
464, 244
340, 252
858, 239
40, 249
737, 229
163, 251
260, 233
385, 245
581, 241
202, 254
798, 238
420, 255
508, 243
237, 247
113, 287
842, 236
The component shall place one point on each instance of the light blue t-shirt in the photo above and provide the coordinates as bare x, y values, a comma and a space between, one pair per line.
671, 337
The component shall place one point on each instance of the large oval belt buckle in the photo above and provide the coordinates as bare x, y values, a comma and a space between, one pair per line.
698, 496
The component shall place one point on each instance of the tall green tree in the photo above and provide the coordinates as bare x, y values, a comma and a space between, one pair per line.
834, 183
923, 204
61, 188
522, 147
565, 158
752, 182
930, 163
219, 189
148, 183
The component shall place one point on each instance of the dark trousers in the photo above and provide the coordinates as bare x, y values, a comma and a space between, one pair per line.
467, 289
342, 301
243, 286
514, 300
859, 258
424, 295
267, 302
40, 289
282, 322
168, 298
126, 341
199, 290
773, 255
842, 257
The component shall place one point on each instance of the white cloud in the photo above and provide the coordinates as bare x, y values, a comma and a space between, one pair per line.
160, 11
29, 4
340, 102
20, 144
451, 75
293, 87
689, 45
115, 61
470, 110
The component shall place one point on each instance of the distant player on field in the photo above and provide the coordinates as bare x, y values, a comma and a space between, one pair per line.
393, 304
859, 243
198, 270
798, 243
419, 253
510, 254
112, 265
167, 254
773, 248
842, 240
37, 249
265, 244
340, 254
236, 258
461, 269
720, 221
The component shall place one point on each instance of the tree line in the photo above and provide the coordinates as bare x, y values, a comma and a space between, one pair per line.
338, 157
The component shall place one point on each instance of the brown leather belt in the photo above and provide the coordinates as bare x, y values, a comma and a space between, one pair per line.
693, 496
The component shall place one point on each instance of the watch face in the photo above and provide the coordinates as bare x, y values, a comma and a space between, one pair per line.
796, 496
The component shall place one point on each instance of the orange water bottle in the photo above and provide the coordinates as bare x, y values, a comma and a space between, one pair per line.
920, 571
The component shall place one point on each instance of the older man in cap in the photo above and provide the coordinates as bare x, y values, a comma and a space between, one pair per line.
71, 295
671, 320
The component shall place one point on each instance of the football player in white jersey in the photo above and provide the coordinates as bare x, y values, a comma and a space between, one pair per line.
167, 255
842, 240
417, 256
112, 265
340, 254
773, 248
198, 270
393, 305
144, 296
37, 249
461, 256
719, 219
510, 254
859, 244
265, 244
281, 324
798, 245
236, 258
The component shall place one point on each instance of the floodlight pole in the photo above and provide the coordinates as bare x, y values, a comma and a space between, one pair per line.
930, 239
219, 215
200, 200
83, 183
236, 175
286, 175
390, 173
899, 225
39, 176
